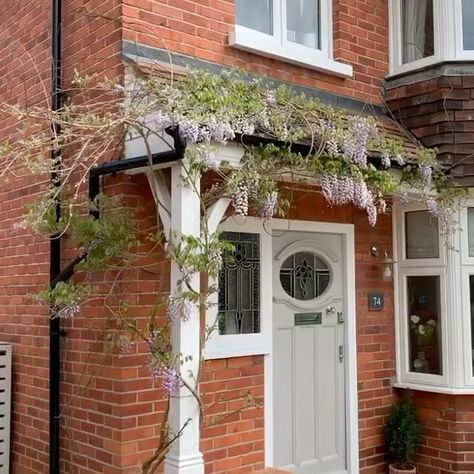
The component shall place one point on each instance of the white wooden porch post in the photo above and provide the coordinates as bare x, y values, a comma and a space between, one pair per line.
184, 456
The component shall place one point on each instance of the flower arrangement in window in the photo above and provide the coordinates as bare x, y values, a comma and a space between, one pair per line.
423, 332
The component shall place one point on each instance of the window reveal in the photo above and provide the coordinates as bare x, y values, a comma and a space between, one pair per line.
239, 285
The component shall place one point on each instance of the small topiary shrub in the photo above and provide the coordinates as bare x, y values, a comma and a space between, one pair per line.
403, 433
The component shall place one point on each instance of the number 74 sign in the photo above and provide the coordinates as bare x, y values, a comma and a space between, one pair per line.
375, 301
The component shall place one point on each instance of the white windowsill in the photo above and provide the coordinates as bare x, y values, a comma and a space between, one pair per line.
434, 388
466, 57
267, 45
238, 349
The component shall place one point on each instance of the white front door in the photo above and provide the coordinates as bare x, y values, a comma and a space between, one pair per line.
309, 398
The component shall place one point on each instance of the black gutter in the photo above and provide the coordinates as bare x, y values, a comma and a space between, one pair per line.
55, 252
117, 166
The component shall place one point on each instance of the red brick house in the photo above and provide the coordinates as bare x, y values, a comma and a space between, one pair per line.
323, 409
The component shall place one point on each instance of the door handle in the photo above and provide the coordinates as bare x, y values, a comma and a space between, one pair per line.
341, 354
330, 310
340, 317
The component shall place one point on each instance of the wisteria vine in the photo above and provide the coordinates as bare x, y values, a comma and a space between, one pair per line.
286, 138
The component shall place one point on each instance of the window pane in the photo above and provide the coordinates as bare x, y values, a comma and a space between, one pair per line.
305, 276
425, 324
302, 18
422, 240
417, 29
468, 24
239, 285
255, 14
470, 230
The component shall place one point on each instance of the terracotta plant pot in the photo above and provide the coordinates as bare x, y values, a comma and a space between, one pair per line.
398, 469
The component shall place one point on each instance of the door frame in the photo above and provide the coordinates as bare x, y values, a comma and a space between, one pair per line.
352, 425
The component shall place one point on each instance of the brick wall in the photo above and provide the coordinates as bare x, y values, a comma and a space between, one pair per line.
201, 28
90, 43
439, 112
111, 411
233, 440
448, 442
24, 70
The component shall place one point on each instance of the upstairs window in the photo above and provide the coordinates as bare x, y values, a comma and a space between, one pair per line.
417, 30
296, 31
468, 24
426, 32
256, 15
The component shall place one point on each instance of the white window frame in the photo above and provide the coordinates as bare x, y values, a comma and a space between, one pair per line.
220, 346
454, 269
461, 53
277, 46
395, 41
448, 36
467, 269
417, 267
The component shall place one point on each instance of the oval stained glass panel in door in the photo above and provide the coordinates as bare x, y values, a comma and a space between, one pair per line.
305, 276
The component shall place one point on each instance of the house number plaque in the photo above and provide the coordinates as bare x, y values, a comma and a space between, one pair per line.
375, 301
304, 319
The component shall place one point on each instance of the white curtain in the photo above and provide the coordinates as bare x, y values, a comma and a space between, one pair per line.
414, 29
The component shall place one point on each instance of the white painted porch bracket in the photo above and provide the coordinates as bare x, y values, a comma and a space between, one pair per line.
216, 213
162, 196
184, 456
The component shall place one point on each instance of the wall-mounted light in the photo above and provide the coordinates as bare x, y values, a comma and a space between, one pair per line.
385, 261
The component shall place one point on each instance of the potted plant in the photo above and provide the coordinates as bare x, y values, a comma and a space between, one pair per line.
403, 434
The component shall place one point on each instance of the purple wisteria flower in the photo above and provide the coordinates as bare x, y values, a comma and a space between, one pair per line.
153, 339
162, 120
341, 190
399, 159
207, 157
69, 311
270, 99
372, 214
170, 380
385, 160
218, 130
426, 174
267, 207
362, 196
241, 199
357, 139
446, 215
332, 147
179, 309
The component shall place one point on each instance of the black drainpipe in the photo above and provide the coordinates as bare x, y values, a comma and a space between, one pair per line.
55, 243
55, 252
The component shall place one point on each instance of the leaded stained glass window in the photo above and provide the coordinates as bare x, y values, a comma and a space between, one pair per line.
239, 285
305, 276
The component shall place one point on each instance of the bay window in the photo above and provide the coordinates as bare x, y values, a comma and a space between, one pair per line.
425, 32
422, 297
295, 31
434, 310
